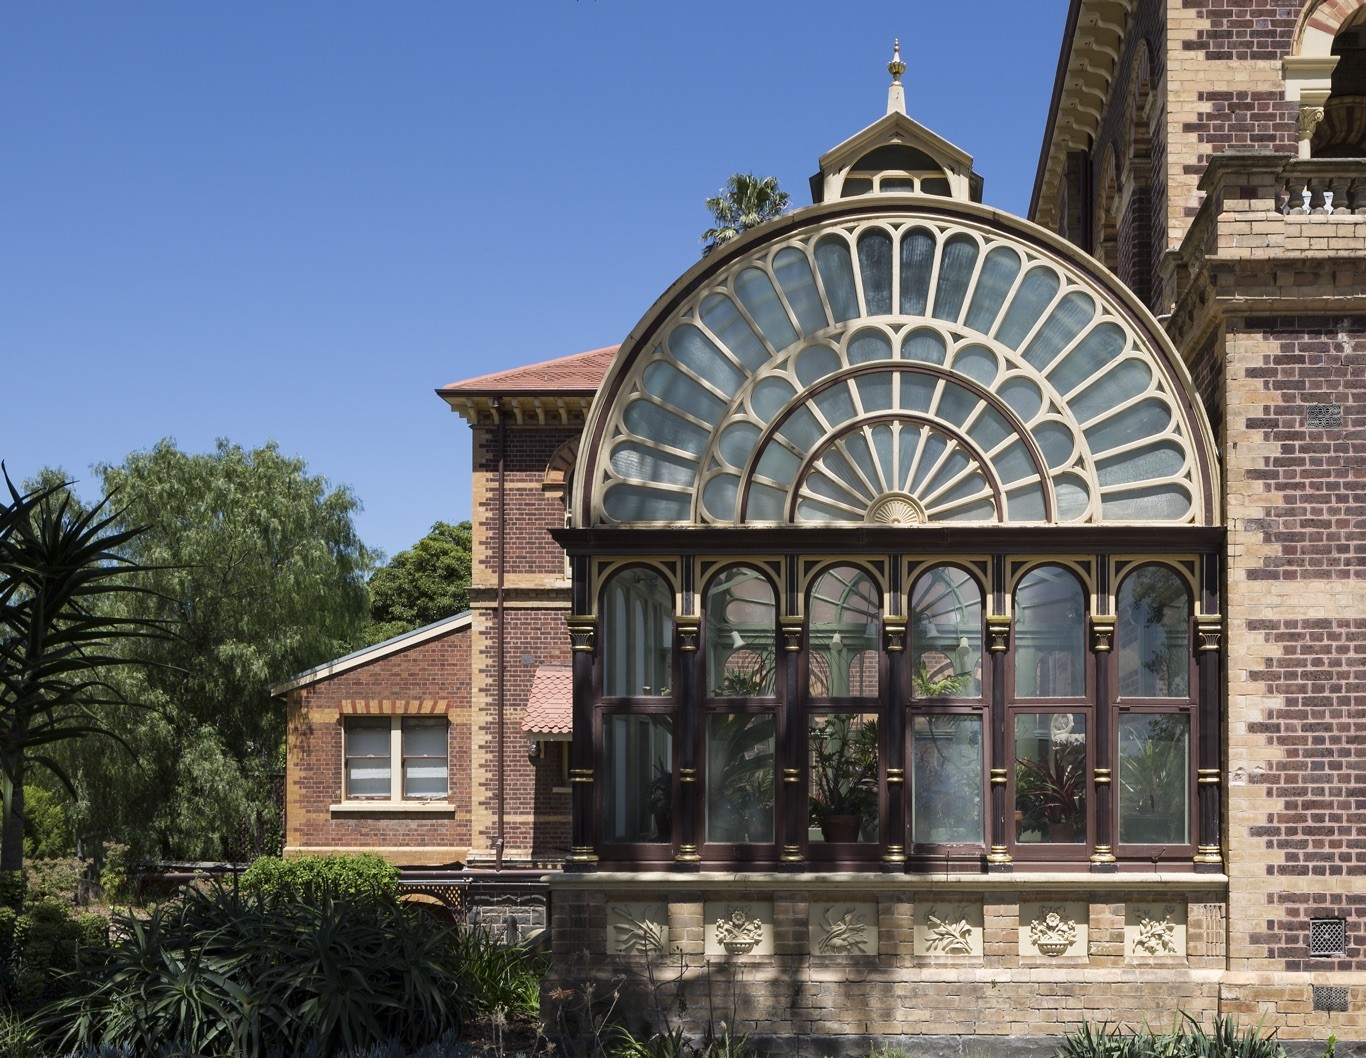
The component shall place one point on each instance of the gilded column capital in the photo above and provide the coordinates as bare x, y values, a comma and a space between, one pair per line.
998, 629
582, 632
1102, 633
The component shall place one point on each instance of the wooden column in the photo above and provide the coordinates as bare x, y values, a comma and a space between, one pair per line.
795, 811
686, 787
1209, 635
583, 847
1102, 644
999, 817
894, 712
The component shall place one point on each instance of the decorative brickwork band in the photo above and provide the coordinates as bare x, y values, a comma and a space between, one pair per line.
1102, 633
998, 628
395, 707
1209, 628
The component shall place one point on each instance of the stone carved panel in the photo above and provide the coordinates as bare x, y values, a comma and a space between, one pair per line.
948, 927
1054, 928
844, 928
636, 927
1155, 930
738, 927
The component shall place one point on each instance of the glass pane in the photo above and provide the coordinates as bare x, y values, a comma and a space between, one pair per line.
946, 635
367, 778
724, 320
1050, 777
999, 270
1035, 293
1049, 635
637, 624
368, 738
837, 275
844, 775
1154, 779
1073, 312
955, 269
425, 738
741, 615
1152, 648
946, 780
640, 503
917, 261
691, 348
740, 778
637, 754
424, 778
843, 626
875, 265
760, 300
799, 286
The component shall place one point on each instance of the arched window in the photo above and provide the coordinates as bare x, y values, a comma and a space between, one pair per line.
1051, 752
843, 636
947, 767
637, 626
741, 614
1153, 667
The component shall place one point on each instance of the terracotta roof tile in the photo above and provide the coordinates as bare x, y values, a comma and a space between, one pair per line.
550, 709
582, 372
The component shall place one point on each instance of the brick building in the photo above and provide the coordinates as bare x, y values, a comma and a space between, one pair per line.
963, 637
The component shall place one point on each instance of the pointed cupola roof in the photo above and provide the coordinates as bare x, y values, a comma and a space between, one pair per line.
896, 155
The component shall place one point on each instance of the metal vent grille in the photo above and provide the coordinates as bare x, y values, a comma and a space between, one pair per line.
1330, 998
1324, 416
1327, 936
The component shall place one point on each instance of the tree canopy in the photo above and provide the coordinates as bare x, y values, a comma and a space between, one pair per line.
425, 583
259, 565
745, 202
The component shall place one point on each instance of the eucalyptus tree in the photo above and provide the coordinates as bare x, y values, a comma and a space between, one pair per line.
745, 202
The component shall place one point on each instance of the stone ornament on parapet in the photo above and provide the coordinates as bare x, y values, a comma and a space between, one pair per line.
948, 928
844, 928
636, 927
738, 927
1054, 929
1154, 931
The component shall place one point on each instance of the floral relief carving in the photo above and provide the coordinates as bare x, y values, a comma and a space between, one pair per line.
638, 929
950, 931
739, 930
844, 930
1053, 933
1154, 935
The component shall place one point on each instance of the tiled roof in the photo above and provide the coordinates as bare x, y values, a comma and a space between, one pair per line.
550, 709
582, 373
458, 623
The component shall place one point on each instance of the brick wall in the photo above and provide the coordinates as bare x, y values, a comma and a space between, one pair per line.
437, 670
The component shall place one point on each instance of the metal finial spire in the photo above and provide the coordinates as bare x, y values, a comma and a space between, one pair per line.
896, 67
896, 91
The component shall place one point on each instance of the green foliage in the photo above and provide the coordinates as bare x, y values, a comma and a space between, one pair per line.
57, 879
48, 831
503, 981
363, 877
745, 202
18, 1038
222, 972
39, 947
114, 873
258, 563
1185, 1040
843, 767
426, 583
718, 1042
64, 583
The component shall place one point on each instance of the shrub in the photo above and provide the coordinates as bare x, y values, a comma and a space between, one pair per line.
1190, 1040
363, 877
54, 879
500, 979
220, 972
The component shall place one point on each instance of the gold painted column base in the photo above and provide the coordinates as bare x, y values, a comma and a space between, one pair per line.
687, 854
791, 854
894, 854
1103, 860
1208, 859
998, 859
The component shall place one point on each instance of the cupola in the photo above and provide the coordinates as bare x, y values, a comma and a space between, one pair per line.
896, 155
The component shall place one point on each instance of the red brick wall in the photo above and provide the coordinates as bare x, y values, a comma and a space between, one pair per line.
438, 669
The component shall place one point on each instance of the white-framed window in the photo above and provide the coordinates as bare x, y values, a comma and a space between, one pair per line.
380, 748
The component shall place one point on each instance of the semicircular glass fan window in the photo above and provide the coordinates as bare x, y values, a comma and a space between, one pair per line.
898, 372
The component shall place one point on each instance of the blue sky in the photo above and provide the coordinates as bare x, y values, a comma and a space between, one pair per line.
295, 221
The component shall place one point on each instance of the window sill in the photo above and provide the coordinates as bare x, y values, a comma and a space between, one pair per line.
397, 808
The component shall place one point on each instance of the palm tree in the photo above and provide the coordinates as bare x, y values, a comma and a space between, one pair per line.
61, 574
745, 202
